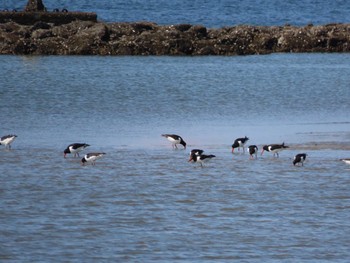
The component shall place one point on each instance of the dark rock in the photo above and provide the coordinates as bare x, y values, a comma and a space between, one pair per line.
182, 27
35, 5
143, 26
41, 33
41, 25
56, 18
198, 31
146, 38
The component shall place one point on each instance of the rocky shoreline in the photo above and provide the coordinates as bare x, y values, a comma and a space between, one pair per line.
147, 38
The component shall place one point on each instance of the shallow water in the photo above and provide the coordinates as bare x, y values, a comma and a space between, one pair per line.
143, 201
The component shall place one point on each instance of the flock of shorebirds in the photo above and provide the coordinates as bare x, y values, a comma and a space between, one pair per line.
73, 148
196, 155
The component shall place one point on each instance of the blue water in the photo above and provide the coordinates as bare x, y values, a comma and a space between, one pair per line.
259, 95
143, 201
208, 13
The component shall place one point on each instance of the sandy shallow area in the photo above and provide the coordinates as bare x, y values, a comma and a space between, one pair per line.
324, 141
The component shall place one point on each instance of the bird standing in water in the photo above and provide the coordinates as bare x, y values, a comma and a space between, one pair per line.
200, 158
253, 150
75, 148
175, 139
299, 158
239, 142
274, 148
91, 158
7, 140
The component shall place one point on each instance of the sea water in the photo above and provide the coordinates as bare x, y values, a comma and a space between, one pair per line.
144, 201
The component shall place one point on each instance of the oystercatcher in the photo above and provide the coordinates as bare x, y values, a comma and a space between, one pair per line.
239, 142
75, 148
175, 139
274, 148
299, 158
91, 157
201, 158
253, 150
347, 160
195, 152
7, 140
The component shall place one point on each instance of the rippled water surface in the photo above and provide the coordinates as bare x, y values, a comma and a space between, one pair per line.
205, 12
143, 201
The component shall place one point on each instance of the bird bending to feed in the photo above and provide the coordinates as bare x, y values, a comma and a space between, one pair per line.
75, 148
253, 150
7, 140
195, 152
91, 158
346, 160
201, 158
175, 139
274, 148
239, 142
299, 158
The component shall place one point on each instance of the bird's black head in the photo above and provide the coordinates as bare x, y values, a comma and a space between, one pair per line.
83, 161
183, 143
193, 157
65, 152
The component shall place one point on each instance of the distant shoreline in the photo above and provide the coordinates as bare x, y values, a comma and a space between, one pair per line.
147, 38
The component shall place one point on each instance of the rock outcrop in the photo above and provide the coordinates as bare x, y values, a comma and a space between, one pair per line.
146, 38
35, 5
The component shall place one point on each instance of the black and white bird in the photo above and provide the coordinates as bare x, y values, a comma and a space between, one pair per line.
346, 160
239, 142
91, 158
253, 150
274, 148
195, 152
201, 158
75, 148
299, 158
175, 139
7, 140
